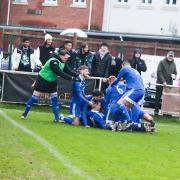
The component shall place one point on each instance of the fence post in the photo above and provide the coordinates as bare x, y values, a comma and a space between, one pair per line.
121, 52
11, 38
75, 40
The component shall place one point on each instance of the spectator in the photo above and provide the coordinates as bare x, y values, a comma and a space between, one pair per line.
136, 62
84, 56
72, 63
44, 52
115, 67
166, 73
101, 62
23, 57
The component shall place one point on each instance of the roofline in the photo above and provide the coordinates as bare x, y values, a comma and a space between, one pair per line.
94, 32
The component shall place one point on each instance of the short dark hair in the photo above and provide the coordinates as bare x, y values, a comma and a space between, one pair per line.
96, 93
104, 44
95, 101
67, 42
83, 67
25, 39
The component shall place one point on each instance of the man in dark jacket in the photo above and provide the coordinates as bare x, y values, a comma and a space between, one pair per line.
136, 62
166, 73
101, 62
84, 56
72, 62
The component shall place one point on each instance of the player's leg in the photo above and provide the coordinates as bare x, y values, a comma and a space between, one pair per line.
34, 99
55, 106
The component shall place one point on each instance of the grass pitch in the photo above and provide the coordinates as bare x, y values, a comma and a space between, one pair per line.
100, 154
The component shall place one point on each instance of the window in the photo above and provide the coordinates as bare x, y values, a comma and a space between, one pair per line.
49, 3
121, 1
79, 2
147, 1
20, 2
171, 2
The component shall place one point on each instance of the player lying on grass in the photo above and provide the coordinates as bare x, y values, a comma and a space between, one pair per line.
47, 82
95, 115
97, 96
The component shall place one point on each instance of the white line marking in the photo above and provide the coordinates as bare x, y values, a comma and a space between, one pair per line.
50, 147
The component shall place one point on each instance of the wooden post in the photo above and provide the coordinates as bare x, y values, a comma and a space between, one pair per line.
74, 40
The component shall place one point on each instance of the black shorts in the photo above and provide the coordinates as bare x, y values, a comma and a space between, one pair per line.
44, 86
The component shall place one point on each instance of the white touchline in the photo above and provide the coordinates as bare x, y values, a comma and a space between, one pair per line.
50, 147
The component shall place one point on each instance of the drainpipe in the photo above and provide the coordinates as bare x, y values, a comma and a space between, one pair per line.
108, 15
8, 12
121, 50
90, 15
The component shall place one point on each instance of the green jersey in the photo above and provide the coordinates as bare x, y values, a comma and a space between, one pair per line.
46, 72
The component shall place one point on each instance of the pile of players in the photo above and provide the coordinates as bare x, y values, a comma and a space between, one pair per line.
118, 110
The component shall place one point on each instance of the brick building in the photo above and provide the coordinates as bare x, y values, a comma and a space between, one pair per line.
53, 13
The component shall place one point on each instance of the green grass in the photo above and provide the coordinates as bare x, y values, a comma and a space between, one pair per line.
101, 154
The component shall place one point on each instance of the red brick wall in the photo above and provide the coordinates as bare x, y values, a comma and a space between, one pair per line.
61, 16
3, 11
97, 14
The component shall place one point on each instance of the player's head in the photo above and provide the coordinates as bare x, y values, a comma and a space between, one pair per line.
64, 55
84, 71
96, 105
97, 95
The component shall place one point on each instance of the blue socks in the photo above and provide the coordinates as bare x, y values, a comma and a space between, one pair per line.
31, 101
55, 106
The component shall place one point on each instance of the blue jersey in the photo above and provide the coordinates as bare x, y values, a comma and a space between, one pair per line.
86, 108
78, 91
97, 118
115, 92
132, 77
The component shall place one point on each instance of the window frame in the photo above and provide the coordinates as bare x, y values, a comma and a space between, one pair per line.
50, 3
170, 3
146, 2
79, 4
123, 1
24, 2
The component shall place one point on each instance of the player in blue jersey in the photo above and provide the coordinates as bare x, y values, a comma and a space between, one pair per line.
135, 89
97, 96
113, 94
78, 99
97, 118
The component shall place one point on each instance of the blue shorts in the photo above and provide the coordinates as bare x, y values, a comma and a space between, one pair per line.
134, 95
